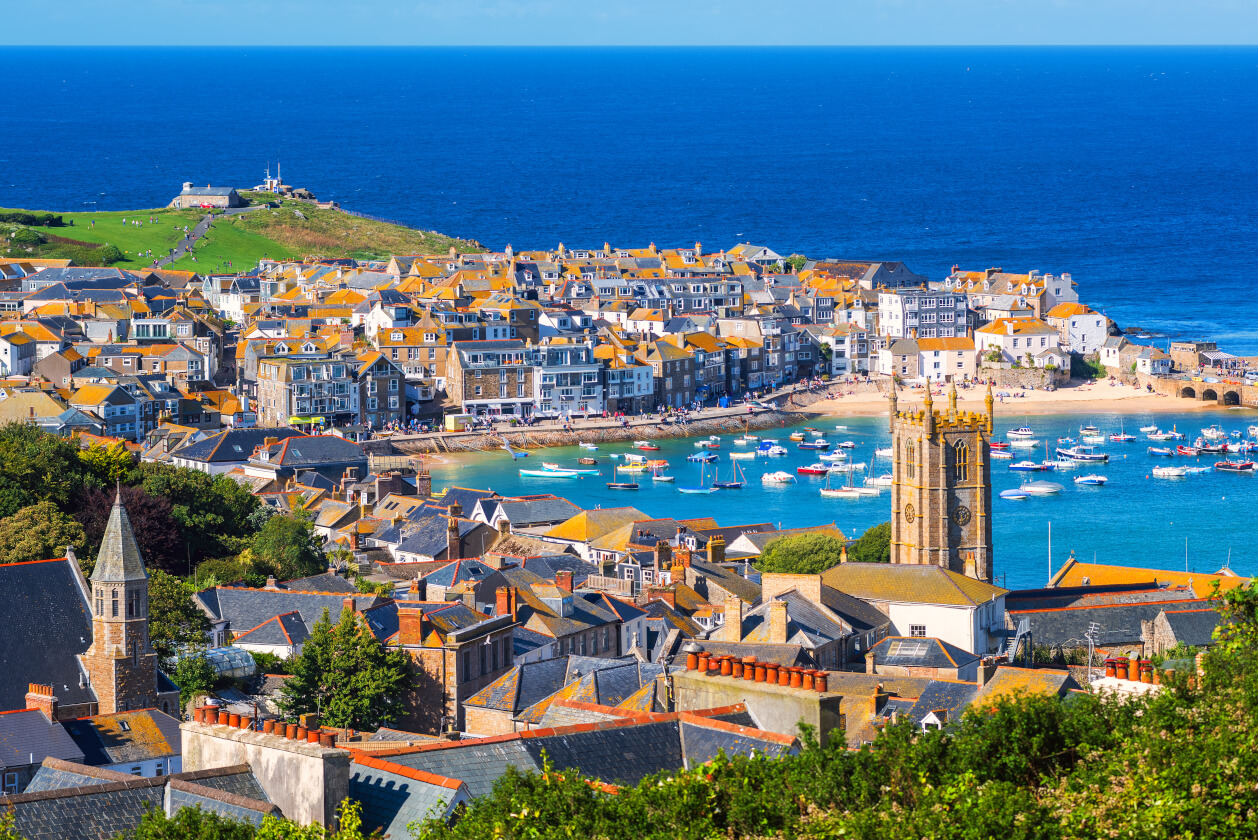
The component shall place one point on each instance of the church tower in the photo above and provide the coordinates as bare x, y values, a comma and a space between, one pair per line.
121, 663
941, 491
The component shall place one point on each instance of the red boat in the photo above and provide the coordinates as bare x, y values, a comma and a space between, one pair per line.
1000, 445
1234, 466
649, 447
813, 469
1186, 450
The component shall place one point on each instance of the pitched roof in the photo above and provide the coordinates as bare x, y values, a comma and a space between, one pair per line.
1076, 573
907, 652
126, 736
119, 558
27, 732
591, 524
44, 613
909, 584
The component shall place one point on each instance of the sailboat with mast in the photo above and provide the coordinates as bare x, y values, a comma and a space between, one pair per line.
736, 479
702, 488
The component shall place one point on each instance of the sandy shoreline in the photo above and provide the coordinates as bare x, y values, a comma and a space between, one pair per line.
1099, 397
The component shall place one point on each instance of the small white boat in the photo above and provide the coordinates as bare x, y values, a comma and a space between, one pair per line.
549, 473
1015, 495
1020, 432
848, 468
548, 465
634, 458
1093, 479
752, 437
1214, 432
840, 428
1088, 429
778, 477
834, 457
1042, 488
590, 446
1197, 470
1252, 431
847, 444
1147, 429
1001, 455
884, 480
742, 456
1024, 443
885, 452
776, 450
1170, 472
848, 492
741, 441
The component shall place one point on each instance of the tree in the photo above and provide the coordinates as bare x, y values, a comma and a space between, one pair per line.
288, 547
874, 546
156, 532
804, 554
346, 676
36, 467
41, 532
107, 466
213, 512
269, 663
194, 675
176, 623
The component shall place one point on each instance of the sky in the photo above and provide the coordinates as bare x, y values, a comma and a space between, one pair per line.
630, 22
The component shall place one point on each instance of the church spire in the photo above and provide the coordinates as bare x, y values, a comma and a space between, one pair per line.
119, 558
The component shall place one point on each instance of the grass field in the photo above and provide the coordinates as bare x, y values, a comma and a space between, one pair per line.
228, 242
236, 243
131, 239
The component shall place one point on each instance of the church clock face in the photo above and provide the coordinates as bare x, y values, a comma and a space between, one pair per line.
909, 513
961, 515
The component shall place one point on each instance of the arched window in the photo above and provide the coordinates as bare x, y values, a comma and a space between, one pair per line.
961, 461
909, 455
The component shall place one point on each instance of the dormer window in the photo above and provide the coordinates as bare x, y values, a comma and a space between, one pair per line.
395, 336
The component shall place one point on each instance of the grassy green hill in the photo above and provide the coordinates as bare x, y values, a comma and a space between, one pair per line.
290, 230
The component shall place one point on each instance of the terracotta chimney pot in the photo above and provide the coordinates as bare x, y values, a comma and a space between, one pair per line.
784, 676
761, 669
736, 670
268, 727
234, 721
820, 681
692, 661
806, 680
727, 667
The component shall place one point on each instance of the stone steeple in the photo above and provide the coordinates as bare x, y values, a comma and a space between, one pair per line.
121, 663
119, 559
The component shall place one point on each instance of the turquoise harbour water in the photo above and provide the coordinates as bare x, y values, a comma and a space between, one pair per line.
1134, 519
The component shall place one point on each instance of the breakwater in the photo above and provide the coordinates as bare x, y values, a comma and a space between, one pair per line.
711, 422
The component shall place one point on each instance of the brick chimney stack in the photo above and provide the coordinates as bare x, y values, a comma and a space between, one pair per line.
663, 557
716, 549
454, 545
777, 623
506, 601
411, 622
564, 581
732, 629
41, 697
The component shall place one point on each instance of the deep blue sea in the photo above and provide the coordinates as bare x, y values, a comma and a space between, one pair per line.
1131, 168
1201, 522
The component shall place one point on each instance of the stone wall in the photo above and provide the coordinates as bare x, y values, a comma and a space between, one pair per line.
1011, 377
776, 708
306, 781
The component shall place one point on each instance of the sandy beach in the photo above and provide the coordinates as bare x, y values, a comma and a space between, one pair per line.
1098, 396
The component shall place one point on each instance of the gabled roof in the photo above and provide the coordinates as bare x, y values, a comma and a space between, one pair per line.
909, 584
287, 630
27, 733
907, 652
232, 444
126, 736
591, 524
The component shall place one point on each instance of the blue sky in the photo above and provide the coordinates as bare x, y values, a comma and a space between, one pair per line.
631, 22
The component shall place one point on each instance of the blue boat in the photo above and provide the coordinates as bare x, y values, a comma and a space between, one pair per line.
702, 457
815, 444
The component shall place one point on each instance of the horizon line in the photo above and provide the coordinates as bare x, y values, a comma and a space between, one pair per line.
795, 46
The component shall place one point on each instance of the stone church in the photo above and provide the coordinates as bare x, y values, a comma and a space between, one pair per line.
941, 492
81, 646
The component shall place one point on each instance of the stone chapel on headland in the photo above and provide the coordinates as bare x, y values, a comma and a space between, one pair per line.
941, 492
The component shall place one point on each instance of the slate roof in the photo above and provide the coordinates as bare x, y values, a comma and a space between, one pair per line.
314, 451
44, 613
1194, 627
901, 651
92, 813
466, 498
325, 582
728, 579
232, 445
1007, 681
806, 625
459, 571
429, 536
244, 609
119, 558
613, 751
393, 796
1119, 623
58, 774
789, 655
953, 697
27, 732
125, 737
527, 512
282, 630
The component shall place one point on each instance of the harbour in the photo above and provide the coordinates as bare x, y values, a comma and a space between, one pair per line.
1193, 521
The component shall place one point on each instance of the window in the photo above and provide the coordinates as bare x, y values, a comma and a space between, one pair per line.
478, 391
115, 602
484, 658
917, 631
137, 770
10, 782
909, 453
467, 665
961, 461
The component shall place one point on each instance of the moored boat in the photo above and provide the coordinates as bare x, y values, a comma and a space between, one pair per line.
798, 436
1170, 472
1082, 453
1015, 495
1235, 466
550, 473
1161, 450
1002, 455
1186, 450
777, 477
1020, 432
819, 443
813, 469
1028, 466
702, 457
1093, 479
1042, 488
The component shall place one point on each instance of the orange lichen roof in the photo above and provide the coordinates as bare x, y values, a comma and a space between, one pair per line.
933, 344
1017, 326
1075, 573
1067, 310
